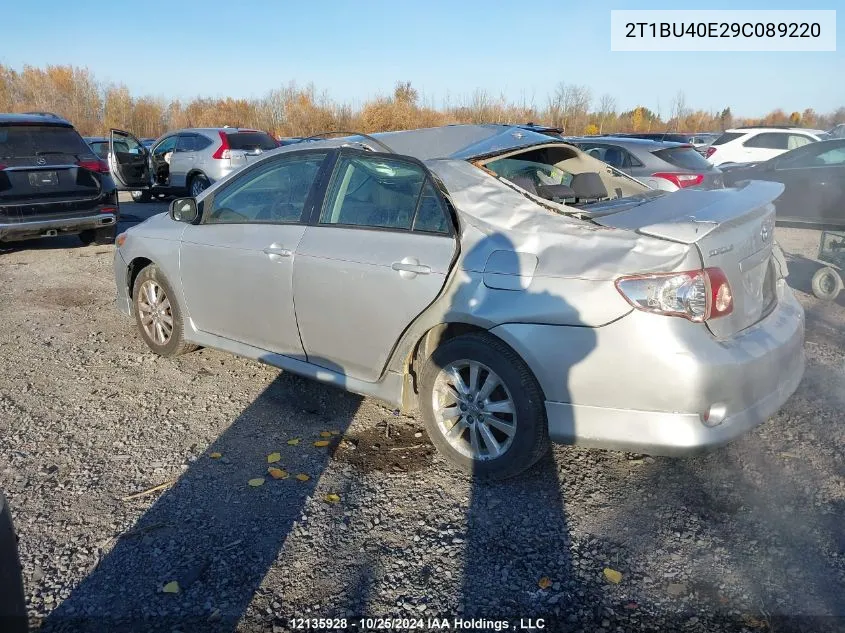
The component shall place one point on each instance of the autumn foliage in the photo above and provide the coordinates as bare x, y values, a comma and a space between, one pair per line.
293, 110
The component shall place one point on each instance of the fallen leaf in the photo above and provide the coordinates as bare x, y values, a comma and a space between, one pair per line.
272, 458
632, 605
171, 587
545, 582
293, 442
321, 443
753, 621
303, 477
331, 498
612, 576
278, 473
335, 432
676, 588
325, 433
258, 481
215, 455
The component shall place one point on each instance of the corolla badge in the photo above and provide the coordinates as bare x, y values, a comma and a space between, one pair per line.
40, 161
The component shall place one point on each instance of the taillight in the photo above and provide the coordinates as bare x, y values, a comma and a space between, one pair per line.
222, 151
696, 295
710, 151
680, 180
99, 166
108, 209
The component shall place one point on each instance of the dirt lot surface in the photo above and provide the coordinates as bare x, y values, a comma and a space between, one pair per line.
748, 538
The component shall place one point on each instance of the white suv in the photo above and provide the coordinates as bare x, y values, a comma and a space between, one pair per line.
757, 144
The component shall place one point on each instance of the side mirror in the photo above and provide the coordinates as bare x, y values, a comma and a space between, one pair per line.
184, 210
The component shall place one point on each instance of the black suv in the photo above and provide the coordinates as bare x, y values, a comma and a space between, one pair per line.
52, 183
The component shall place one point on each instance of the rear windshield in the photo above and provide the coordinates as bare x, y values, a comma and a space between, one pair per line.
36, 140
251, 140
727, 137
684, 157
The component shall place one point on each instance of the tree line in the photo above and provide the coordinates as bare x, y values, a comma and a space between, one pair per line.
293, 110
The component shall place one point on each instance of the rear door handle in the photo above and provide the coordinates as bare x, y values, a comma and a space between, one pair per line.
277, 252
410, 267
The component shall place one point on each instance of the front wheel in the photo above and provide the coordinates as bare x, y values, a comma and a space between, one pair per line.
158, 314
826, 283
483, 408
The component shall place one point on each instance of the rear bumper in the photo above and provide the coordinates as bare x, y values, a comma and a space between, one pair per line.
27, 229
645, 382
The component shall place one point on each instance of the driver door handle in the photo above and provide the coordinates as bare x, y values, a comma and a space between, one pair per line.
276, 252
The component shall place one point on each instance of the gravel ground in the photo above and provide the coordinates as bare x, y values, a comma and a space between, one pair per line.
748, 538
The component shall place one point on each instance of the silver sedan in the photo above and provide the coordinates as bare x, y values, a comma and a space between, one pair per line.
513, 288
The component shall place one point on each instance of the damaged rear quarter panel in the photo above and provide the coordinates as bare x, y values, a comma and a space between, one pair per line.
562, 268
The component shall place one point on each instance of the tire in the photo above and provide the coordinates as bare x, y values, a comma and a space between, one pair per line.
198, 184
826, 283
528, 438
165, 339
12, 603
101, 237
141, 196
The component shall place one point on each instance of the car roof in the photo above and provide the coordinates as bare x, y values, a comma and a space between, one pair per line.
770, 128
627, 141
462, 142
95, 139
9, 118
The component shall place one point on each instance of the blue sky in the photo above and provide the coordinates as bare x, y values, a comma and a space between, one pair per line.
355, 50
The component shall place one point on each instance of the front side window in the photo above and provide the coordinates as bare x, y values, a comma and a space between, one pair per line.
165, 146
275, 193
374, 192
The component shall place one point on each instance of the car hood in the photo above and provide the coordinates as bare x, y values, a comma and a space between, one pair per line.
159, 226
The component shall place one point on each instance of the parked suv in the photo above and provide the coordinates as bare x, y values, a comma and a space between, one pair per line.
659, 164
52, 183
185, 161
756, 144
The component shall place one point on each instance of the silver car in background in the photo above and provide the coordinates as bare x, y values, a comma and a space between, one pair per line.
510, 286
182, 162
664, 165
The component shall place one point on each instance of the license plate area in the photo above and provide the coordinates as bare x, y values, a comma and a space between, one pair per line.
43, 178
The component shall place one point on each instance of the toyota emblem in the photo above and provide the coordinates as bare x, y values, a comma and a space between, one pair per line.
764, 233
40, 161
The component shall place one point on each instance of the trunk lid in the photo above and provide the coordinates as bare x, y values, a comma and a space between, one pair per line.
733, 229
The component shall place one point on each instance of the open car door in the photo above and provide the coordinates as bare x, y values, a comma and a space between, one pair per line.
129, 161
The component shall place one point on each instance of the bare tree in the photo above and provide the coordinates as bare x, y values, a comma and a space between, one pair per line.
679, 110
607, 109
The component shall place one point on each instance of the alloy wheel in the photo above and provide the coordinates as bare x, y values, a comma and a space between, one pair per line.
156, 312
474, 410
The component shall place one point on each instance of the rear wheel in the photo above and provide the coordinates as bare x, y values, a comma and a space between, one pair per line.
199, 183
826, 283
140, 196
98, 236
483, 408
158, 315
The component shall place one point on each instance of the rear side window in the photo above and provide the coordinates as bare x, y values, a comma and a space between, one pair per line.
38, 140
374, 192
251, 141
727, 137
683, 157
768, 140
